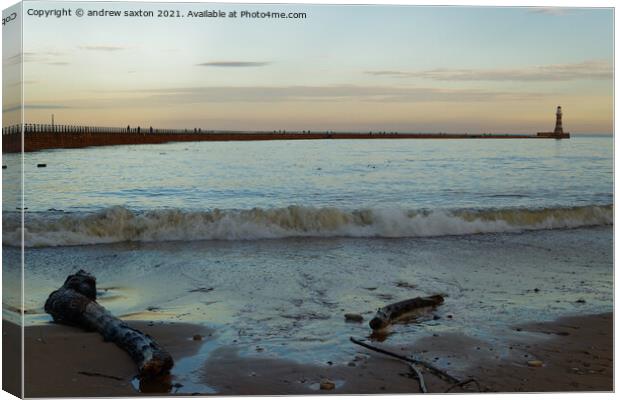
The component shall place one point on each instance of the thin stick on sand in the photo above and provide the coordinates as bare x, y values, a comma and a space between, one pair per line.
418, 373
74, 303
442, 374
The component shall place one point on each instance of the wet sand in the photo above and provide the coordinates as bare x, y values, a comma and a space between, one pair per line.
576, 352
11, 358
65, 361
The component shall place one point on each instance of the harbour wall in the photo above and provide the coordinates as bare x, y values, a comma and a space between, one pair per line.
41, 137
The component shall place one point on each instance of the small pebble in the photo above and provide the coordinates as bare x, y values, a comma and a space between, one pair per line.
326, 384
535, 363
353, 318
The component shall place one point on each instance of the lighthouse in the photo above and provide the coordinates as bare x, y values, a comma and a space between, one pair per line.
558, 122
558, 132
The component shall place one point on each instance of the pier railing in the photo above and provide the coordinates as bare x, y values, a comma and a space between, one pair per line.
53, 136
56, 128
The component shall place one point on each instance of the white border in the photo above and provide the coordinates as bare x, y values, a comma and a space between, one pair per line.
523, 3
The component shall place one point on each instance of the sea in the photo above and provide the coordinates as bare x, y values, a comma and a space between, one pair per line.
271, 243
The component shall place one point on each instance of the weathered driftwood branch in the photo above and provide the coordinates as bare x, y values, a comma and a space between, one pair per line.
75, 304
386, 315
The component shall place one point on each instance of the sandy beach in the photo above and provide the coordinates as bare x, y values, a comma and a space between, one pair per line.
576, 352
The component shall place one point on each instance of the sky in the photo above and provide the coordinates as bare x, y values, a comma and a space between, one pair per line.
356, 68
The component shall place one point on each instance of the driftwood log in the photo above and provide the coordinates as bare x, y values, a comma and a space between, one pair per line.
75, 304
386, 315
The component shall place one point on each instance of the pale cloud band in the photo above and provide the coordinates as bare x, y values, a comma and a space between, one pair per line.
18, 107
335, 94
330, 93
592, 69
46, 57
550, 10
102, 48
234, 64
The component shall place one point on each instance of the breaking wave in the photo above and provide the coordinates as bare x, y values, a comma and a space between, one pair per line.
119, 224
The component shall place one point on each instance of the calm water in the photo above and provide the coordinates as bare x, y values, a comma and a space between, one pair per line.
345, 174
271, 243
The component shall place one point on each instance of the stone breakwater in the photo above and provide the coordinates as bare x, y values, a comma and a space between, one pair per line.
87, 137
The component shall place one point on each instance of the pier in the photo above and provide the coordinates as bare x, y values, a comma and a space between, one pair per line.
46, 136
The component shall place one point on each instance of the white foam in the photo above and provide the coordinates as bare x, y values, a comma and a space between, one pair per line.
119, 224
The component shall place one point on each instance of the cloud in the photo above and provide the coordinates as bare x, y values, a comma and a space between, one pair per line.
34, 107
12, 60
24, 57
26, 82
549, 10
555, 72
102, 48
393, 73
234, 64
45, 106
332, 93
45, 57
